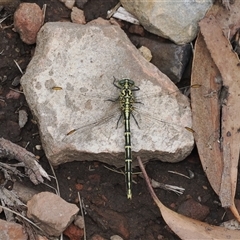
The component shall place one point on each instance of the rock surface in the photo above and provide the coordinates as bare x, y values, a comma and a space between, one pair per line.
73, 232
174, 20
24, 193
193, 209
109, 219
11, 231
52, 213
116, 237
28, 19
68, 3
69, 80
97, 237
171, 59
77, 16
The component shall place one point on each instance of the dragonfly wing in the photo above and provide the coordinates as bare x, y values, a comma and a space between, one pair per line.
163, 120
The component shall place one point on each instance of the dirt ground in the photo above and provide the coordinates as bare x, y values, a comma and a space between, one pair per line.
103, 191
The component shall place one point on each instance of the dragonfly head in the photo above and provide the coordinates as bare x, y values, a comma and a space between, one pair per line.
126, 83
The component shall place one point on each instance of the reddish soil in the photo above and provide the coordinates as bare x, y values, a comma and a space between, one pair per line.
102, 190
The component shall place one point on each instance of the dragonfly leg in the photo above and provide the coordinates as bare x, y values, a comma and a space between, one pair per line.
135, 120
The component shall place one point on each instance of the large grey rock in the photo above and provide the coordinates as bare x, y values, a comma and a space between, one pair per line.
82, 60
174, 20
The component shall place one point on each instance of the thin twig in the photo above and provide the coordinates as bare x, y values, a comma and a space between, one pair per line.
121, 172
82, 213
3, 19
154, 196
57, 186
18, 214
55, 177
32, 168
44, 8
15, 90
48, 185
10, 26
180, 174
12, 168
175, 189
19, 68
113, 170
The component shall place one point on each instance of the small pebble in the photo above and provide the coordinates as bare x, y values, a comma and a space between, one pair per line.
137, 29
116, 237
97, 237
38, 147
73, 232
13, 94
68, 3
146, 53
193, 209
79, 221
77, 16
16, 81
28, 19
231, 224
22, 118
78, 186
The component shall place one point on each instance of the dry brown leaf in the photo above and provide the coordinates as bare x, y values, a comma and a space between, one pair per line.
218, 153
228, 20
206, 112
230, 72
185, 227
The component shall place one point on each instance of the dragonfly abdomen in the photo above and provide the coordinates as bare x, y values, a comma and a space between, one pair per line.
126, 102
128, 155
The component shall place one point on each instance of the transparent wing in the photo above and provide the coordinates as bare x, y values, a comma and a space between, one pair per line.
149, 110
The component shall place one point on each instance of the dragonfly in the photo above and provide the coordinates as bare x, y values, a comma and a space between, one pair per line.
126, 101
129, 106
